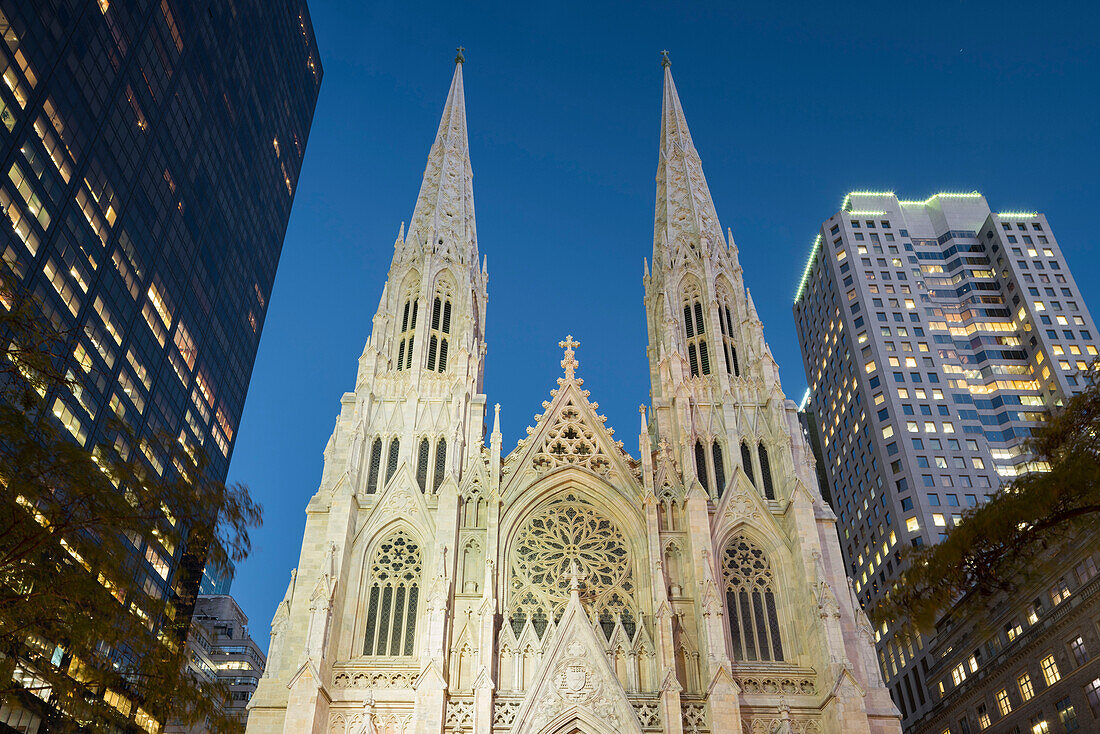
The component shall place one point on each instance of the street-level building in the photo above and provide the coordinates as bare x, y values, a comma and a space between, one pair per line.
1031, 665
219, 648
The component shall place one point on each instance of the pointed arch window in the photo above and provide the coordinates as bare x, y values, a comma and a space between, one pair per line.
746, 462
375, 466
440, 464
696, 330
729, 347
391, 462
750, 602
422, 464
701, 465
719, 469
766, 472
405, 338
393, 597
438, 341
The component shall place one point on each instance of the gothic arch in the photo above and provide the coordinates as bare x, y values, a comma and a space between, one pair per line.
391, 593
779, 553
751, 592
407, 318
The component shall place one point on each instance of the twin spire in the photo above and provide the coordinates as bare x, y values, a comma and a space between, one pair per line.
443, 218
685, 221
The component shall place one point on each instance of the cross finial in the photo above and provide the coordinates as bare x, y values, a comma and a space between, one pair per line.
664, 59
460, 58
570, 362
574, 576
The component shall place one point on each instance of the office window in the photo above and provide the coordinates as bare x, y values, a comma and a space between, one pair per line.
1005, 705
1027, 690
1050, 670
1067, 715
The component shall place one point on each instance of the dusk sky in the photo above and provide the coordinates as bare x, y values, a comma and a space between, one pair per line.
790, 105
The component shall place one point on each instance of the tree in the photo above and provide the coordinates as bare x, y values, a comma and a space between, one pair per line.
76, 608
1017, 536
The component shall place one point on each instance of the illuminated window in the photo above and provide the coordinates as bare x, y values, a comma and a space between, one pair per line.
912, 524
1003, 702
1050, 670
1026, 689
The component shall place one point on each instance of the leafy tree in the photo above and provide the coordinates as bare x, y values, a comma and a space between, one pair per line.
1018, 535
76, 610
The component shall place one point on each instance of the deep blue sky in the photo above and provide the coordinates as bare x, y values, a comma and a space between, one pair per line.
791, 105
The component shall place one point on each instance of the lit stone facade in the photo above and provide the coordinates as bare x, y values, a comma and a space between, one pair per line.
566, 586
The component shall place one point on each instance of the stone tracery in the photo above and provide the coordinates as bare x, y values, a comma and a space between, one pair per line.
570, 530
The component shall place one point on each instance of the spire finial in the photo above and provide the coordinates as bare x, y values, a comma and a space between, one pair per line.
460, 58
570, 362
664, 60
575, 577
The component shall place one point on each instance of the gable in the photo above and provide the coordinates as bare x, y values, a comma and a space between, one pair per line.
576, 681
570, 434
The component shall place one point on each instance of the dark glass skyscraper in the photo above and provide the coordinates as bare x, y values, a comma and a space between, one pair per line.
149, 154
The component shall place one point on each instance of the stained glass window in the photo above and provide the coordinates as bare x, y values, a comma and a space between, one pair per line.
375, 466
750, 602
392, 598
766, 473
566, 531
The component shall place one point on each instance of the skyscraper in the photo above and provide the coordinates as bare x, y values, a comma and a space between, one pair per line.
149, 153
565, 585
936, 335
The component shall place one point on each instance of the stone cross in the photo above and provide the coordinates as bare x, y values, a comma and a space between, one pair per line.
570, 362
460, 58
664, 59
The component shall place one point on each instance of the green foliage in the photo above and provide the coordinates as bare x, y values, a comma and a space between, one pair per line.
75, 610
1017, 536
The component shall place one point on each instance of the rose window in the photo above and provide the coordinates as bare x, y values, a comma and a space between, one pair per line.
570, 536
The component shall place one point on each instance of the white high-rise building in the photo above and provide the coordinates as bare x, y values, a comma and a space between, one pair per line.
936, 336
566, 586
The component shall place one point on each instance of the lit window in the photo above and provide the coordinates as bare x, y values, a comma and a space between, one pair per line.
1026, 689
912, 525
1005, 705
938, 520
1050, 670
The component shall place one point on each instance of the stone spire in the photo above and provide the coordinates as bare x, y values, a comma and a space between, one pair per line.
443, 219
685, 222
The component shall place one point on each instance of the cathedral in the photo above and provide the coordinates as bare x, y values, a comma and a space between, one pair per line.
567, 585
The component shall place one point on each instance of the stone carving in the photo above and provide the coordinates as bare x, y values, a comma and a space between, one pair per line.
648, 713
570, 441
575, 682
569, 530
460, 714
504, 713
695, 717
781, 725
375, 679
777, 684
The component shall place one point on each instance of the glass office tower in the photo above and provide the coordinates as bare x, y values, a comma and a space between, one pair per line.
149, 154
936, 336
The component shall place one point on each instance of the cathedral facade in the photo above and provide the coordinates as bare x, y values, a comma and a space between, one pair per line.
567, 586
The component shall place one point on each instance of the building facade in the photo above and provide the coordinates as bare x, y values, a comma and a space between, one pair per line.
565, 585
149, 153
936, 336
219, 648
1031, 667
